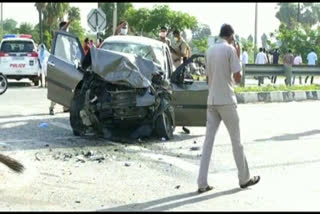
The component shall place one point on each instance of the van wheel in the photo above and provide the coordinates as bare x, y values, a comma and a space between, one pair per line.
3, 84
164, 126
78, 128
36, 82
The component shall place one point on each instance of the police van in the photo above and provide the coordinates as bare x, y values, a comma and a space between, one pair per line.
19, 58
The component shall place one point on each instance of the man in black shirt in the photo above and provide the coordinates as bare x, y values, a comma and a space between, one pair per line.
275, 61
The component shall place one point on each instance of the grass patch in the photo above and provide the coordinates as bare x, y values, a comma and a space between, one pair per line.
268, 88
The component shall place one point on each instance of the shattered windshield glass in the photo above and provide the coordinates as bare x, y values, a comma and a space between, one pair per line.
151, 53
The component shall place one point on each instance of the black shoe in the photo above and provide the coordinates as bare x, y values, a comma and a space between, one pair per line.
254, 180
206, 189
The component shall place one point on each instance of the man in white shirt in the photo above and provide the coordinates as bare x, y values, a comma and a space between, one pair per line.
223, 65
297, 61
261, 59
312, 60
244, 56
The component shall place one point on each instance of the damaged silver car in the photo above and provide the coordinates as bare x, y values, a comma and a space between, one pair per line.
127, 84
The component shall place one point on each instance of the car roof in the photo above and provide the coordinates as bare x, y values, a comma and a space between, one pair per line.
135, 39
17, 39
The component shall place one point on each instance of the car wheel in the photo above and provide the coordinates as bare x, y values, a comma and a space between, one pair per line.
79, 129
36, 82
164, 126
3, 84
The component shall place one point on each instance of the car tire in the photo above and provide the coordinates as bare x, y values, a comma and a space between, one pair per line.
3, 84
36, 82
164, 126
78, 128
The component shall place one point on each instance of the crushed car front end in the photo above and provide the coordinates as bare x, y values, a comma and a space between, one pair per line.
122, 91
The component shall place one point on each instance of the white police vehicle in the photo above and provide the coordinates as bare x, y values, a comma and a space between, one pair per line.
19, 58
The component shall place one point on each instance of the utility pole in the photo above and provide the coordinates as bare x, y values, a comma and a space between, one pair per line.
114, 18
298, 17
255, 30
41, 29
2, 31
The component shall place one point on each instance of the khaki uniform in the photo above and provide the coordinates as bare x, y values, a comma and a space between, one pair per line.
182, 50
222, 63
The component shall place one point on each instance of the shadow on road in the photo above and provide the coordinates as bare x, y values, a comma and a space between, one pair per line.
23, 134
175, 201
19, 84
286, 137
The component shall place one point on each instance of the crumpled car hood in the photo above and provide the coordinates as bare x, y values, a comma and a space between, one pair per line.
121, 68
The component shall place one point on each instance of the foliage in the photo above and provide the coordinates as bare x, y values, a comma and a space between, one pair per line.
74, 14
267, 88
300, 39
288, 13
148, 22
249, 46
75, 27
107, 8
201, 31
77, 30
199, 46
264, 39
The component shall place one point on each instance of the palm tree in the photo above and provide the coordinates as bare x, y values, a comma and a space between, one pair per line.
40, 7
53, 13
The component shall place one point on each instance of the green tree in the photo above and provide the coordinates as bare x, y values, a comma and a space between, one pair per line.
148, 22
107, 8
40, 7
75, 27
25, 28
201, 31
10, 26
53, 14
199, 46
74, 13
264, 39
309, 13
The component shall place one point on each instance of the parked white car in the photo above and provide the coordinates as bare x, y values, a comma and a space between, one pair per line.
19, 58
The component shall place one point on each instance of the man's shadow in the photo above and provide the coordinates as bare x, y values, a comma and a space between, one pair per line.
162, 204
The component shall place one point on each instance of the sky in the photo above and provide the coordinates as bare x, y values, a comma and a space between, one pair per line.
239, 15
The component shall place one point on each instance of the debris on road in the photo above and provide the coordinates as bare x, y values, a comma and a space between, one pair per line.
187, 131
43, 125
36, 156
127, 164
195, 148
78, 202
177, 187
80, 159
98, 158
194, 142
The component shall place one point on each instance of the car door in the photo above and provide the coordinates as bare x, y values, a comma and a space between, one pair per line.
190, 92
62, 73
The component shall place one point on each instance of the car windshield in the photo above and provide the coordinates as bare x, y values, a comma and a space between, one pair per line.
17, 46
148, 52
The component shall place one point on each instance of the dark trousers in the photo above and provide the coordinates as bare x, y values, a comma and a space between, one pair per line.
311, 82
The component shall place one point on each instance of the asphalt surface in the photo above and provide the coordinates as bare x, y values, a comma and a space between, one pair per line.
68, 173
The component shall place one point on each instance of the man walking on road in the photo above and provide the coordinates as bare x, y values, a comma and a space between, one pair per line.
297, 61
244, 56
312, 60
223, 62
288, 62
261, 59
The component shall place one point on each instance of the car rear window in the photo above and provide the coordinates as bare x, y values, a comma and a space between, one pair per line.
17, 46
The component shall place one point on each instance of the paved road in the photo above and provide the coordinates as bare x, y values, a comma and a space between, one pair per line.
281, 141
